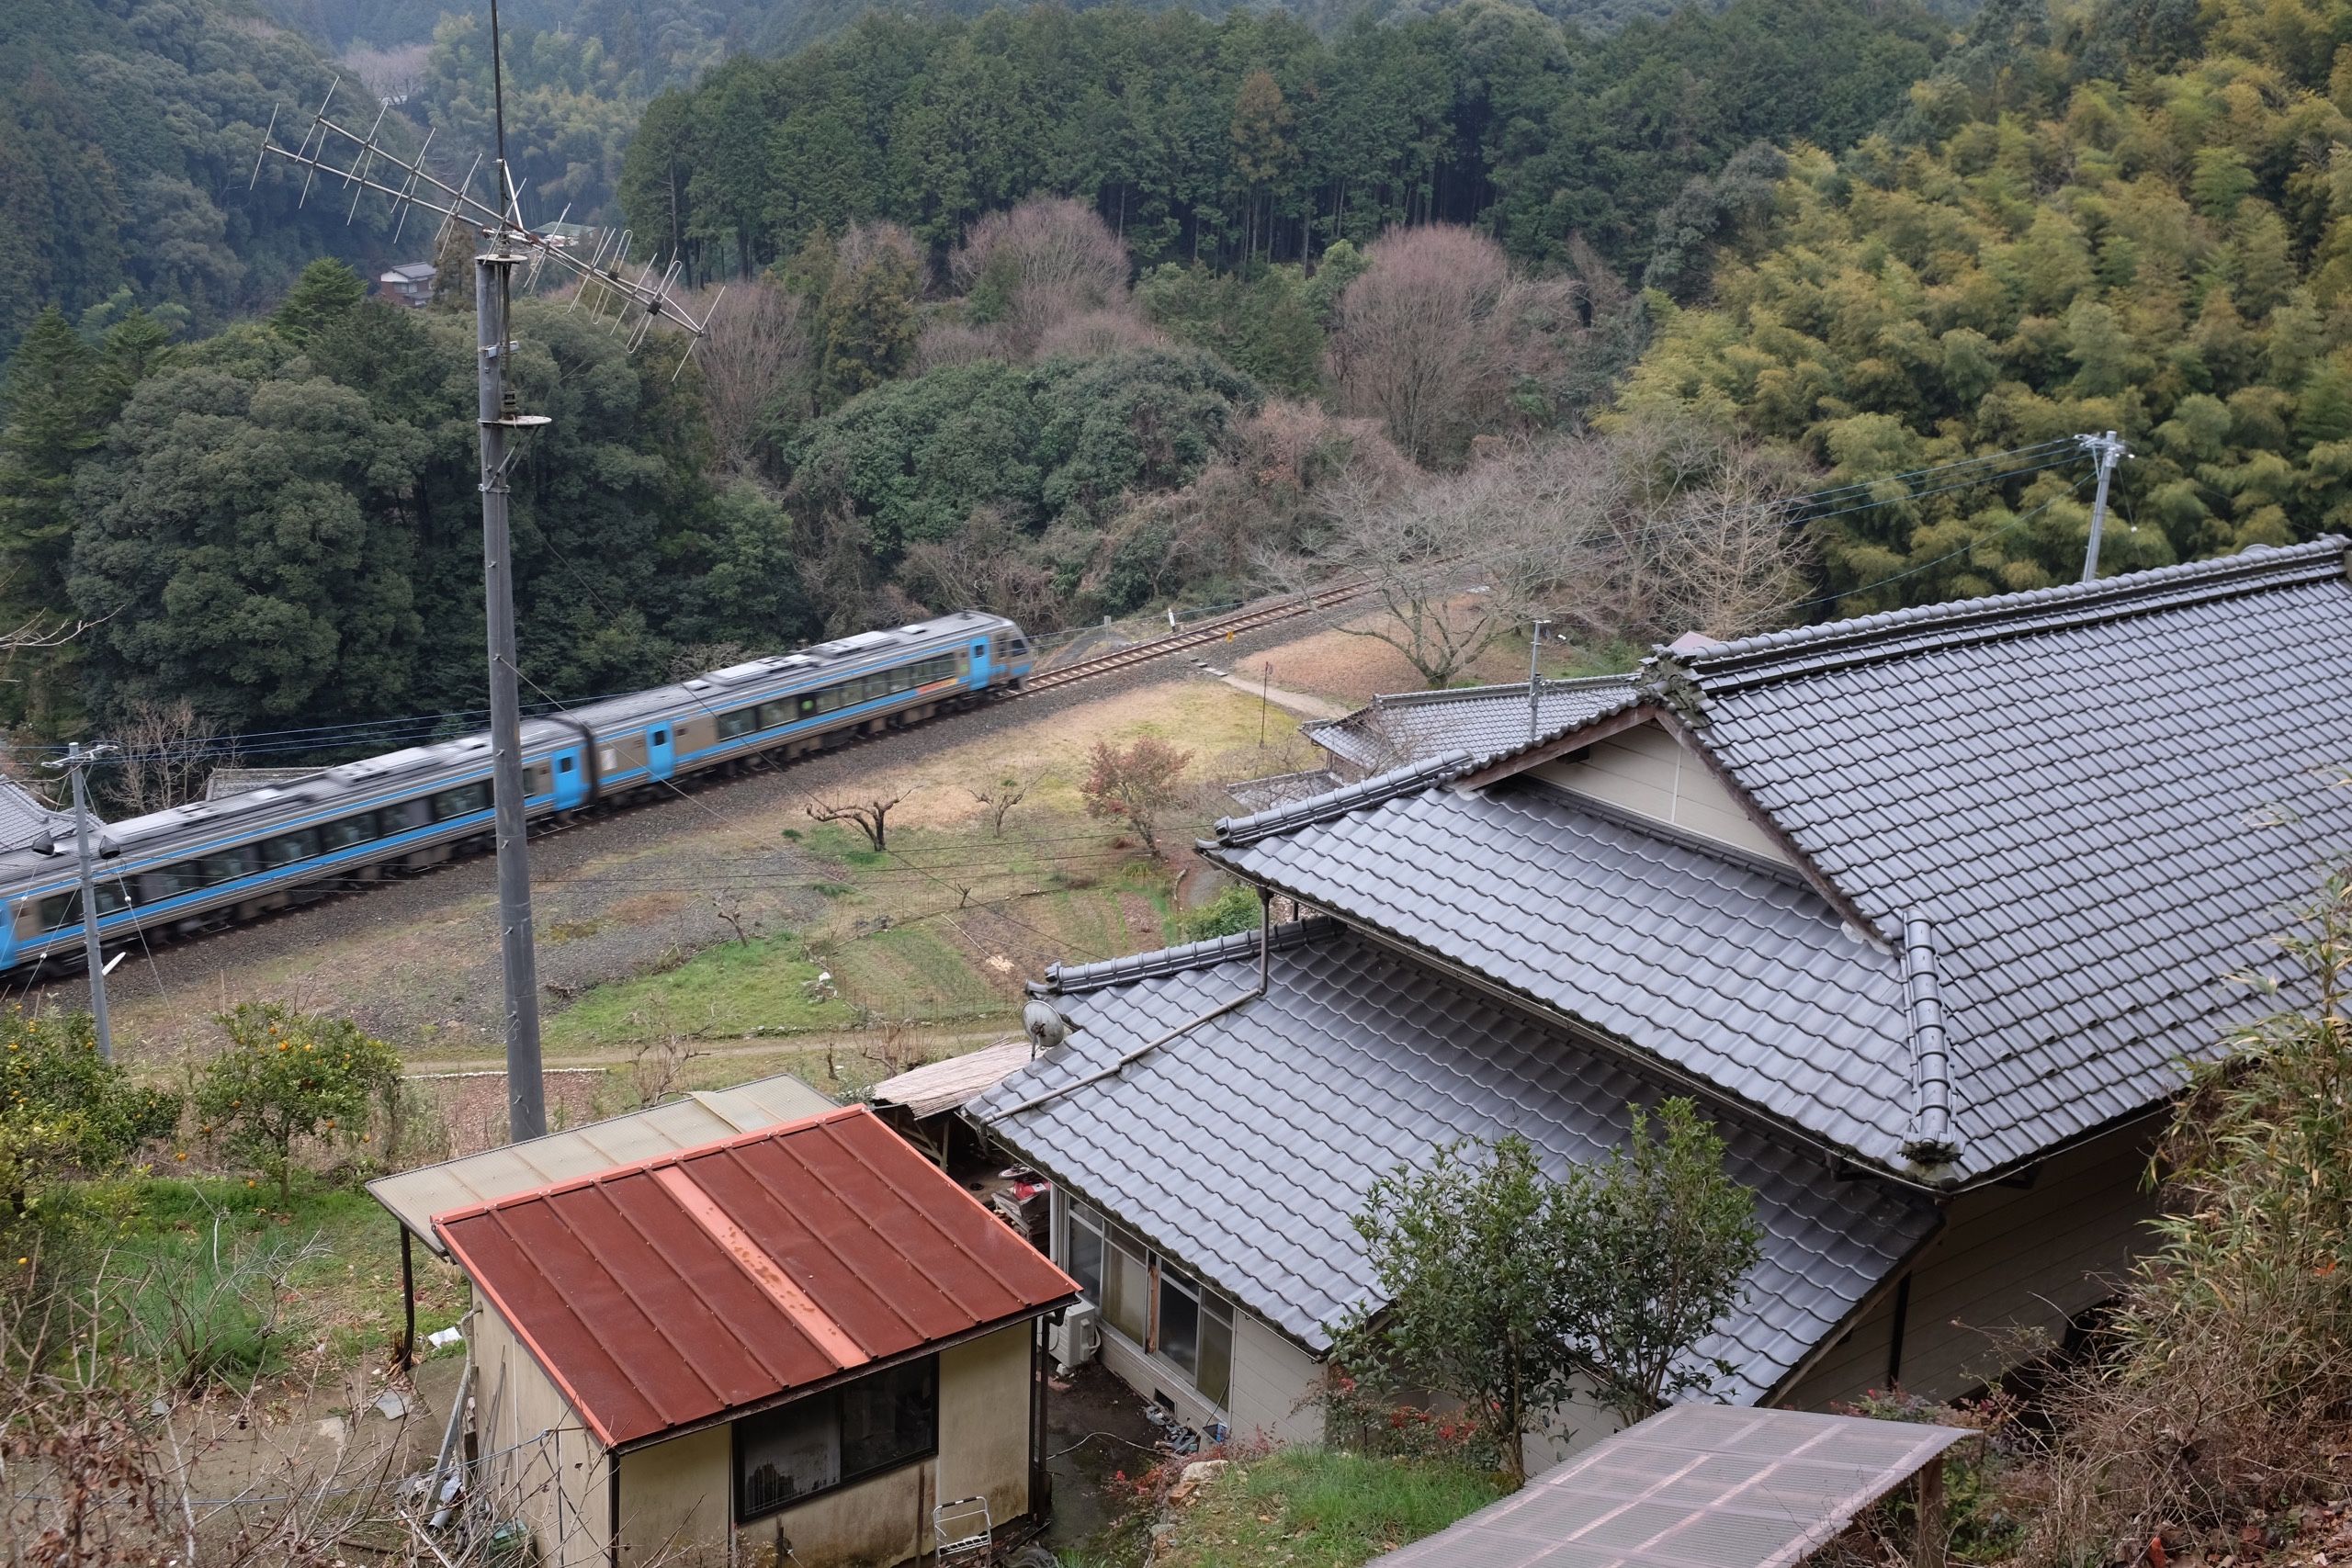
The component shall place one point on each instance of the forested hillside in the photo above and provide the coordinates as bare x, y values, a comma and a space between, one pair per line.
127, 136
2140, 219
1256, 139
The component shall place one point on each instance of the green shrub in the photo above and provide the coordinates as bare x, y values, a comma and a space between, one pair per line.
288, 1076
1233, 910
66, 1111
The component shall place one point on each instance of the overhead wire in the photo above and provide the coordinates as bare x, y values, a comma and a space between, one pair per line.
2002, 531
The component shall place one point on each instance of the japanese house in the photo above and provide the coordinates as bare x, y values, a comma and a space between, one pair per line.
1926, 910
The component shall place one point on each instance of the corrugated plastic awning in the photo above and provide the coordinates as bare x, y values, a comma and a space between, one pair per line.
1694, 1486
717, 1281
702, 1117
944, 1086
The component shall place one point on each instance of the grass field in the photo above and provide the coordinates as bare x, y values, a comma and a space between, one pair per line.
1316, 1508
763, 986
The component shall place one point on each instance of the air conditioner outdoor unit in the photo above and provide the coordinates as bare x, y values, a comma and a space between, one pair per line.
1076, 1338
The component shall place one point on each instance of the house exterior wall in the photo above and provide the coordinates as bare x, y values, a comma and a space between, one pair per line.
1274, 1383
2010, 1267
537, 1463
983, 1452
1646, 771
677, 1497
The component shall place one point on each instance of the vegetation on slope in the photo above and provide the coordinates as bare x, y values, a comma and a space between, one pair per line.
2130, 221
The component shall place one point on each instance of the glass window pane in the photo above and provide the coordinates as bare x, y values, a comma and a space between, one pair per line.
349, 832
889, 1418
1214, 1376
112, 899
787, 1453
1179, 1320
1127, 1294
1085, 1259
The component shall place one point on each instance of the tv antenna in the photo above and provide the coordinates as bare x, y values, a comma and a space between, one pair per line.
336, 150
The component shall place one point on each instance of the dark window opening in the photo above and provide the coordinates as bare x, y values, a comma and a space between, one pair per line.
830, 1440
660, 737
463, 801
349, 832
564, 765
738, 724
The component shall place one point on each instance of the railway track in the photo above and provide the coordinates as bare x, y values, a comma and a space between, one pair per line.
1199, 634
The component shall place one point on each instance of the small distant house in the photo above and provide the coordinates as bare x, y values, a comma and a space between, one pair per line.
409, 282
1925, 910
790, 1345
1413, 726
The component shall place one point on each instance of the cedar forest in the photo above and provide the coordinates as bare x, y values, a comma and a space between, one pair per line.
1070, 311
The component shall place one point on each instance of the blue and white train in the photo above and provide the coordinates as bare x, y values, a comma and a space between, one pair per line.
215, 862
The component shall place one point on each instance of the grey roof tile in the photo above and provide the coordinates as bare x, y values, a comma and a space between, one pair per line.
2106, 797
1727, 969
1357, 1060
1410, 726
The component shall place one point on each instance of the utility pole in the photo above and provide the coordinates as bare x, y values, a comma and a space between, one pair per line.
1535, 680
2110, 450
75, 761
508, 243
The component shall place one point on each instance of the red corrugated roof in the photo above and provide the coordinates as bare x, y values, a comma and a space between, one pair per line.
664, 1294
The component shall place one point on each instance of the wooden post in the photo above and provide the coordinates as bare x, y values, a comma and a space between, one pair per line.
1928, 1545
408, 1300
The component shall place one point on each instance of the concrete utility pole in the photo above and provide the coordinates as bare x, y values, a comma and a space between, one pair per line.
2110, 450
75, 761
526, 1108
1535, 681
508, 243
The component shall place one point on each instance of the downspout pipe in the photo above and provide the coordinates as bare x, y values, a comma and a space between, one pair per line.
1931, 1141
1265, 947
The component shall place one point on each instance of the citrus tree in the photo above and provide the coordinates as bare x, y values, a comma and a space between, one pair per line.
286, 1076
64, 1109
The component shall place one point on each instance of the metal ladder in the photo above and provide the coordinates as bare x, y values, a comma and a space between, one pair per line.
962, 1530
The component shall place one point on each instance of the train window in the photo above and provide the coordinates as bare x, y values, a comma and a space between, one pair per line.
1020, 645
660, 737
565, 764
226, 866
59, 910
878, 684
808, 704
740, 723
462, 801
287, 847
171, 880
963, 662
349, 832
537, 779
781, 711
112, 899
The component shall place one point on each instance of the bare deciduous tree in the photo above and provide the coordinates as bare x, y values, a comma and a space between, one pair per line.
390, 75
168, 751
758, 366
1001, 796
872, 814
1437, 334
1045, 263
989, 565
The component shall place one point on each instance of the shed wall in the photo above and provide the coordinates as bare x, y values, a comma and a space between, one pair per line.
2010, 1267
537, 1463
677, 1496
1646, 771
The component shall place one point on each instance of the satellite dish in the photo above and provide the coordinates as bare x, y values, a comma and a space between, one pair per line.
1044, 1027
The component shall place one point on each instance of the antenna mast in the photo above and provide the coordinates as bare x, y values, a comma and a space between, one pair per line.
340, 153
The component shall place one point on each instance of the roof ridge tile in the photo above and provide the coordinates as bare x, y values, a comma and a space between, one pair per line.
1377, 790
1067, 979
1920, 628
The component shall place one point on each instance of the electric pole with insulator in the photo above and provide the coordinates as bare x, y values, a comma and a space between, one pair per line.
75, 762
1535, 681
2110, 450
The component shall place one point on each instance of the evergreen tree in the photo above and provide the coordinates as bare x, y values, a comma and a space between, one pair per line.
323, 295
868, 322
53, 420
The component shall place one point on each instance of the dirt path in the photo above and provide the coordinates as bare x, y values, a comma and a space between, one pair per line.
1301, 704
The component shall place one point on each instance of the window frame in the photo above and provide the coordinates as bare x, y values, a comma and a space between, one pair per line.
1212, 1308
844, 1478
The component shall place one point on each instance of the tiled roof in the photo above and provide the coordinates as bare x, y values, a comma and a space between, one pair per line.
29, 822
1356, 1060
1727, 968
669, 1292
2069, 815
1413, 726
2107, 798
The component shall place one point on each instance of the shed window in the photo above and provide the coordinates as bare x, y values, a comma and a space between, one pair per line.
830, 1440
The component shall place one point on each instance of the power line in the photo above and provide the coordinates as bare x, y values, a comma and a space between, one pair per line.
2006, 528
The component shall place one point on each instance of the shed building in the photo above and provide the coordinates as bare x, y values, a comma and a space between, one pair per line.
801, 1339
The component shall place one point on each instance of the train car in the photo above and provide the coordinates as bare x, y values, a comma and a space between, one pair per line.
211, 863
